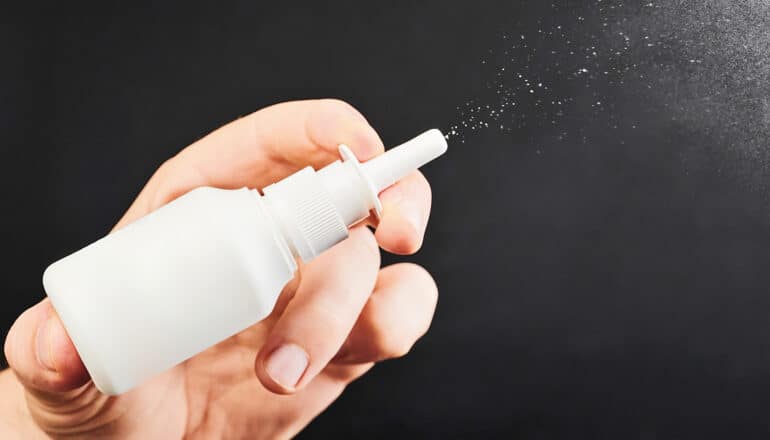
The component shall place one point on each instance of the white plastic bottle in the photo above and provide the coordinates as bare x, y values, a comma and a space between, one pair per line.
211, 263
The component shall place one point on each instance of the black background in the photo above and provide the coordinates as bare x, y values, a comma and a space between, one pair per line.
589, 287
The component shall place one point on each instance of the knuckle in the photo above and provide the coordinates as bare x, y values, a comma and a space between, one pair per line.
366, 246
407, 243
332, 315
7, 350
11, 341
424, 186
427, 285
165, 170
327, 314
160, 193
421, 181
334, 105
429, 291
173, 178
424, 294
390, 344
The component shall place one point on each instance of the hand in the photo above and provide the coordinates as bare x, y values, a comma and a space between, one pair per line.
329, 327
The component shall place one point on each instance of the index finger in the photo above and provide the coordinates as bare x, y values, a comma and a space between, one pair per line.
270, 144
291, 135
259, 149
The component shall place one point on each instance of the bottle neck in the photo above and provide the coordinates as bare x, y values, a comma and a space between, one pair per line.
309, 218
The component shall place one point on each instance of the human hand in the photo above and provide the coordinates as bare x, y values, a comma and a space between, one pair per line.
329, 327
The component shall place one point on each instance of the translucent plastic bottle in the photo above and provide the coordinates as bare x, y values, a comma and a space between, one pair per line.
210, 263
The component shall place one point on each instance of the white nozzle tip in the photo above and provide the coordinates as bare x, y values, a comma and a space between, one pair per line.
434, 141
400, 161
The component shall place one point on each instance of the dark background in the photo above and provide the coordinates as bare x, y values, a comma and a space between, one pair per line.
596, 280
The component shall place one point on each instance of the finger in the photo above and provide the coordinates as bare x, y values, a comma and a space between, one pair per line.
41, 353
332, 291
260, 149
299, 133
397, 314
405, 212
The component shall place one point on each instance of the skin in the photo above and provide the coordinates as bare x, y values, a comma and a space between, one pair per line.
344, 320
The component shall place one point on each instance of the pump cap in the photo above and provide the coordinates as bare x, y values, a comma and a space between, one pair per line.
316, 208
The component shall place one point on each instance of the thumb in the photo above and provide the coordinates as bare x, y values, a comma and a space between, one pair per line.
42, 356
40, 352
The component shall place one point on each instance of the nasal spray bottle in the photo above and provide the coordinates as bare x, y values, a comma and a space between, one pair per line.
211, 263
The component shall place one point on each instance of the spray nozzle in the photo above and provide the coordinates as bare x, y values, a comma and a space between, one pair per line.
316, 208
398, 162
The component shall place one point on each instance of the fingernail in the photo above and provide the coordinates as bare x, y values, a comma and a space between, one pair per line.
287, 364
43, 342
